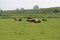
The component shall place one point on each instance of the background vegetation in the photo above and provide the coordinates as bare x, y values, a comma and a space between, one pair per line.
53, 12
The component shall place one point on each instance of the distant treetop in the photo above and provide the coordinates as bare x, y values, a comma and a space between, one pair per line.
22, 8
36, 7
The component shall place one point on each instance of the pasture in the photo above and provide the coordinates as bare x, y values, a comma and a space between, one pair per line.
23, 30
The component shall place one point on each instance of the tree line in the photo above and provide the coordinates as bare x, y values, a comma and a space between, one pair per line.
35, 10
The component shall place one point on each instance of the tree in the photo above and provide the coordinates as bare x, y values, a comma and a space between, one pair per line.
36, 7
1, 11
22, 8
17, 10
56, 10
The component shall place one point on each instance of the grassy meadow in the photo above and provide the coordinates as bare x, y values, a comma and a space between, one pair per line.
39, 16
23, 30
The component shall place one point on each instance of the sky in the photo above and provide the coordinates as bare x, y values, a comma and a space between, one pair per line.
27, 4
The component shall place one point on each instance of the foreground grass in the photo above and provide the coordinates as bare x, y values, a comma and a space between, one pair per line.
14, 30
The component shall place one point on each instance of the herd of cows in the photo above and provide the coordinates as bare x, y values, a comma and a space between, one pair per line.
30, 20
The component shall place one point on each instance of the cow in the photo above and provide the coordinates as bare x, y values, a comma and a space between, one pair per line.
15, 19
34, 20
29, 18
44, 19
20, 19
37, 21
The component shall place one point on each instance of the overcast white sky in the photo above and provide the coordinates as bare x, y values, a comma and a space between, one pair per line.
28, 4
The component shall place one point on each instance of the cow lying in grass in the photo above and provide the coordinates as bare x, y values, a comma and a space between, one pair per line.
17, 19
29, 18
20, 19
34, 20
37, 21
44, 19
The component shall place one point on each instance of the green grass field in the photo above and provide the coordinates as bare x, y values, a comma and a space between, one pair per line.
30, 15
23, 30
